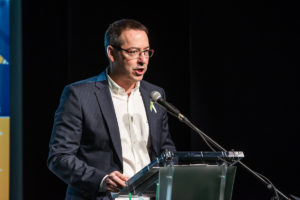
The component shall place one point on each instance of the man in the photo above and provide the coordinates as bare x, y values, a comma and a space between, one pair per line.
105, 128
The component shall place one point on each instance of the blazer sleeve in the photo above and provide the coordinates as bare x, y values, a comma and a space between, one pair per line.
64, 144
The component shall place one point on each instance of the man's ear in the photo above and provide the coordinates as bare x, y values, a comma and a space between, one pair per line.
110, 53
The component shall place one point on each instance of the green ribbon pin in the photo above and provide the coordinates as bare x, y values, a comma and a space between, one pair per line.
151, 105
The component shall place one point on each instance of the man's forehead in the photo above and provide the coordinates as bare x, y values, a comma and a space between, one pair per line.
134, 38
133, 33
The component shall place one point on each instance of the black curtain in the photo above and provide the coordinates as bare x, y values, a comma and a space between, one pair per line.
230, 67
244, 88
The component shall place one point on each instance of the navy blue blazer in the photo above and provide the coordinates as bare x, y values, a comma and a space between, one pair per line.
85, 143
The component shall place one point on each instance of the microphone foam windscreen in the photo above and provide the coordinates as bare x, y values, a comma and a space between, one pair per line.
155, 95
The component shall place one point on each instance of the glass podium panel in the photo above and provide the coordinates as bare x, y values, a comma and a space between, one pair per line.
207, 182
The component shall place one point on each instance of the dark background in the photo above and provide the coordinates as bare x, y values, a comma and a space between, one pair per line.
231, 67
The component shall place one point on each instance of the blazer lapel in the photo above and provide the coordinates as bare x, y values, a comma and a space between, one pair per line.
150, 116
107, 108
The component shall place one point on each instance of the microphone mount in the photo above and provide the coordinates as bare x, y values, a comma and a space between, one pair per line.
156, 97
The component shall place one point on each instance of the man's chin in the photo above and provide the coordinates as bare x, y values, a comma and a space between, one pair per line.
138, 78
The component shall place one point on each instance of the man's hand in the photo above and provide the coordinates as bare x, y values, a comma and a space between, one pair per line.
115, 181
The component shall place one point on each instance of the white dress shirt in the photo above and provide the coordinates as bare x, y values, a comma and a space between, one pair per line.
133, 126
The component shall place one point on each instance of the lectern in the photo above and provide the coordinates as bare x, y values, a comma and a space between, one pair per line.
185, 175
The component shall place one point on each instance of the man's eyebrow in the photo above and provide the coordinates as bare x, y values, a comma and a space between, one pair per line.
148, 47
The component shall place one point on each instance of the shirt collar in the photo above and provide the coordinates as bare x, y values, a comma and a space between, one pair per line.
115, 88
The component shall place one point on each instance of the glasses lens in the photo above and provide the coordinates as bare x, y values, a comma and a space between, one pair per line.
150, 53
133, 53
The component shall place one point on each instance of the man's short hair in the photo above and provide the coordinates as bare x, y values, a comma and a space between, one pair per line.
113, 32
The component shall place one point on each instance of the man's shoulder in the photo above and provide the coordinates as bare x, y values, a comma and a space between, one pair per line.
84, 82
88, 82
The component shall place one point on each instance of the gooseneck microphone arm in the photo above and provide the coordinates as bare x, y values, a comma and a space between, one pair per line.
172, 110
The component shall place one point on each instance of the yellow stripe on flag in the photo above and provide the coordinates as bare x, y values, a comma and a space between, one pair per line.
4, 158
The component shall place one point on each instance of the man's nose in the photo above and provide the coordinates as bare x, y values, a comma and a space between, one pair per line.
142, 58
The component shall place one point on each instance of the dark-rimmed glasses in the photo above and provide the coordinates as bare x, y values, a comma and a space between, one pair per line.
136, 53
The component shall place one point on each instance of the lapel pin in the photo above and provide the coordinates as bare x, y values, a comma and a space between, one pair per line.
152, 106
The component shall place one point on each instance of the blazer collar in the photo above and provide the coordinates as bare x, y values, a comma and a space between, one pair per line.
150, 116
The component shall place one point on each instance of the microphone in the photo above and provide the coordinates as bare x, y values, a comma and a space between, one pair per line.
157, 98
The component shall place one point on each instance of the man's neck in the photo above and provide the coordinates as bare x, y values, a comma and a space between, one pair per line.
125, 84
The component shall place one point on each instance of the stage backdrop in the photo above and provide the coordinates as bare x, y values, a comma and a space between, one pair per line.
231, 68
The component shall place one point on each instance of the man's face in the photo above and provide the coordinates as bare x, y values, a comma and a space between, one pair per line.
128, 68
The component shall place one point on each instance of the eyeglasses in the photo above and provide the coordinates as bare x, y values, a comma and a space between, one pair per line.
135, 53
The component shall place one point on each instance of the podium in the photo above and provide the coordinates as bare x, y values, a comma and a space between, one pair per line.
185, 175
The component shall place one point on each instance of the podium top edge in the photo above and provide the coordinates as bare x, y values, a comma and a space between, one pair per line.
210, 154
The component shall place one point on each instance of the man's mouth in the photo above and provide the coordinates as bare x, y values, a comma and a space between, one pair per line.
139, 71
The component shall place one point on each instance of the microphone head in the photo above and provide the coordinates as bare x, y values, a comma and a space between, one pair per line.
155, 95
